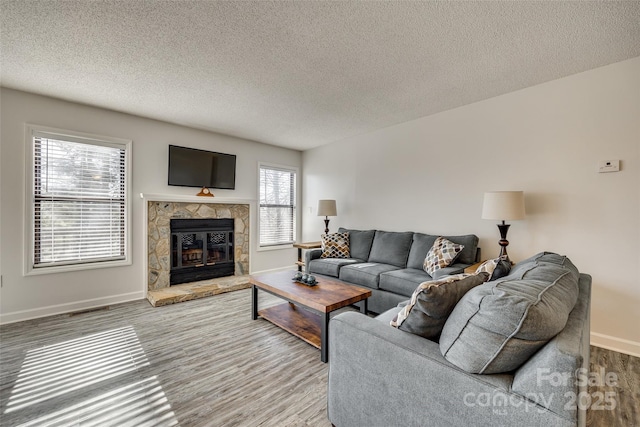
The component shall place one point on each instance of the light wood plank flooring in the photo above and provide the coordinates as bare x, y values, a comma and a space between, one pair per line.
198, 363
626, 392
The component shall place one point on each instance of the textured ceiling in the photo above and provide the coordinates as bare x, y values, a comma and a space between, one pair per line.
301, 74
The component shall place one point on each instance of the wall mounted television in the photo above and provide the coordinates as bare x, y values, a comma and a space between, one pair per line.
190, 167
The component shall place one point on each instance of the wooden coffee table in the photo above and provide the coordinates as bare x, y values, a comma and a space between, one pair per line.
306, 315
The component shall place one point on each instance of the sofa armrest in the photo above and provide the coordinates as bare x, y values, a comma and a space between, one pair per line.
379, 375
309, 256
556, 374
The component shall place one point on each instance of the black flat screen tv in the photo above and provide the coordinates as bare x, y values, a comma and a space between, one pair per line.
190, 167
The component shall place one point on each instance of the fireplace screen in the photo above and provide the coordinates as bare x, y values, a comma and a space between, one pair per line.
201, 249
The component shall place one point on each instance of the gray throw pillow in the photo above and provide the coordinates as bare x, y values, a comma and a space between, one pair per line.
433, 301
497, 326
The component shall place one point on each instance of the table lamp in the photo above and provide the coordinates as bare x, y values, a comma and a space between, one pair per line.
503, 205
327, 208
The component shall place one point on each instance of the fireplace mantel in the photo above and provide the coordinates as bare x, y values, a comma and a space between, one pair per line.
193, 199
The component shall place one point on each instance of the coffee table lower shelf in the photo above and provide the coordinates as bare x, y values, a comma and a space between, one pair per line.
295, 320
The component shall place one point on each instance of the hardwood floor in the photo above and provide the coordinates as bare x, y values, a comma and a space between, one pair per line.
626, 392
198, 363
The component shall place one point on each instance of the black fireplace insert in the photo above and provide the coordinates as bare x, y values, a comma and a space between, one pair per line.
201, 248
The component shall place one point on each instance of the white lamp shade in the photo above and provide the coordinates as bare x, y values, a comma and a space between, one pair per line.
327, 208
503, 205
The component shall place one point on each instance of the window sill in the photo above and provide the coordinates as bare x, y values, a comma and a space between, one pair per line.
274, 248
30, 271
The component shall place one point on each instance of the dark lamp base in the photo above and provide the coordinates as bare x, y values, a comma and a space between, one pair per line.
503, 242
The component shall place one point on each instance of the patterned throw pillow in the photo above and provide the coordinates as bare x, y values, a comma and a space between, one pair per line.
335, 245
497, 268
442, 254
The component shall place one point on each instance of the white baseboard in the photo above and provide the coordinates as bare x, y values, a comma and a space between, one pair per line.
273, 270
52, 310
620, 345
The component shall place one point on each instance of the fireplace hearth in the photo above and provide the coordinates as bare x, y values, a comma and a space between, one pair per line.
201, 249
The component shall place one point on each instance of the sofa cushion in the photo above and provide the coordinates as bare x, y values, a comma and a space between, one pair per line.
497, 326
391, 247
335, 245
527, 268
433, 301
422, 243
404, 281
442, 253
470, 243
364, 274
330, 266
359, 242
456, 268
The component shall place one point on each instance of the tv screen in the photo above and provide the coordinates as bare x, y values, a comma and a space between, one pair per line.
189, 167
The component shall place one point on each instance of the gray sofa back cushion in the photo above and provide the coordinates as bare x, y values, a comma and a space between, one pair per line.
470, 242
423, 242
419, 248
391, 247
359, 242
497, 326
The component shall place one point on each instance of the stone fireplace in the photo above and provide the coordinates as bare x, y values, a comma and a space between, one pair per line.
159, 216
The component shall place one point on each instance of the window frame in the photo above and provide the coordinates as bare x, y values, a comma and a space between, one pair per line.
285, 168
32, 130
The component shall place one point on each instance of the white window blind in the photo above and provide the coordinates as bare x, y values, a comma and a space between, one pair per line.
79, 200
277, 206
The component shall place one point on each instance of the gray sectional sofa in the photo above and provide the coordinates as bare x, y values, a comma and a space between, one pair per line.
530, 329
389, 263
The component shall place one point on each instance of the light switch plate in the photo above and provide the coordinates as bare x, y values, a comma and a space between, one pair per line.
608, 166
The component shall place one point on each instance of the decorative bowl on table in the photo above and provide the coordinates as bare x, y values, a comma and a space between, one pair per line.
305, 279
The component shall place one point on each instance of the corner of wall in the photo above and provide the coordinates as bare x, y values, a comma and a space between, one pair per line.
620, 345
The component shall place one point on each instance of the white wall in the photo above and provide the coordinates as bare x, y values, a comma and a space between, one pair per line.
33, 296
430, 174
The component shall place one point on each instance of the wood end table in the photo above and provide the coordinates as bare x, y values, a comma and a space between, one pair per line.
306, 246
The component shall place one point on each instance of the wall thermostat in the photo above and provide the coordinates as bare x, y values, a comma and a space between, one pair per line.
608, 166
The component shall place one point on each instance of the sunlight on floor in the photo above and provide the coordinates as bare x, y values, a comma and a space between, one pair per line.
54, 370
57, 370
139, 404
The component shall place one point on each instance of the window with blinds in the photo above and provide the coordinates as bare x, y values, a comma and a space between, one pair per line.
79, 200
277, 206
